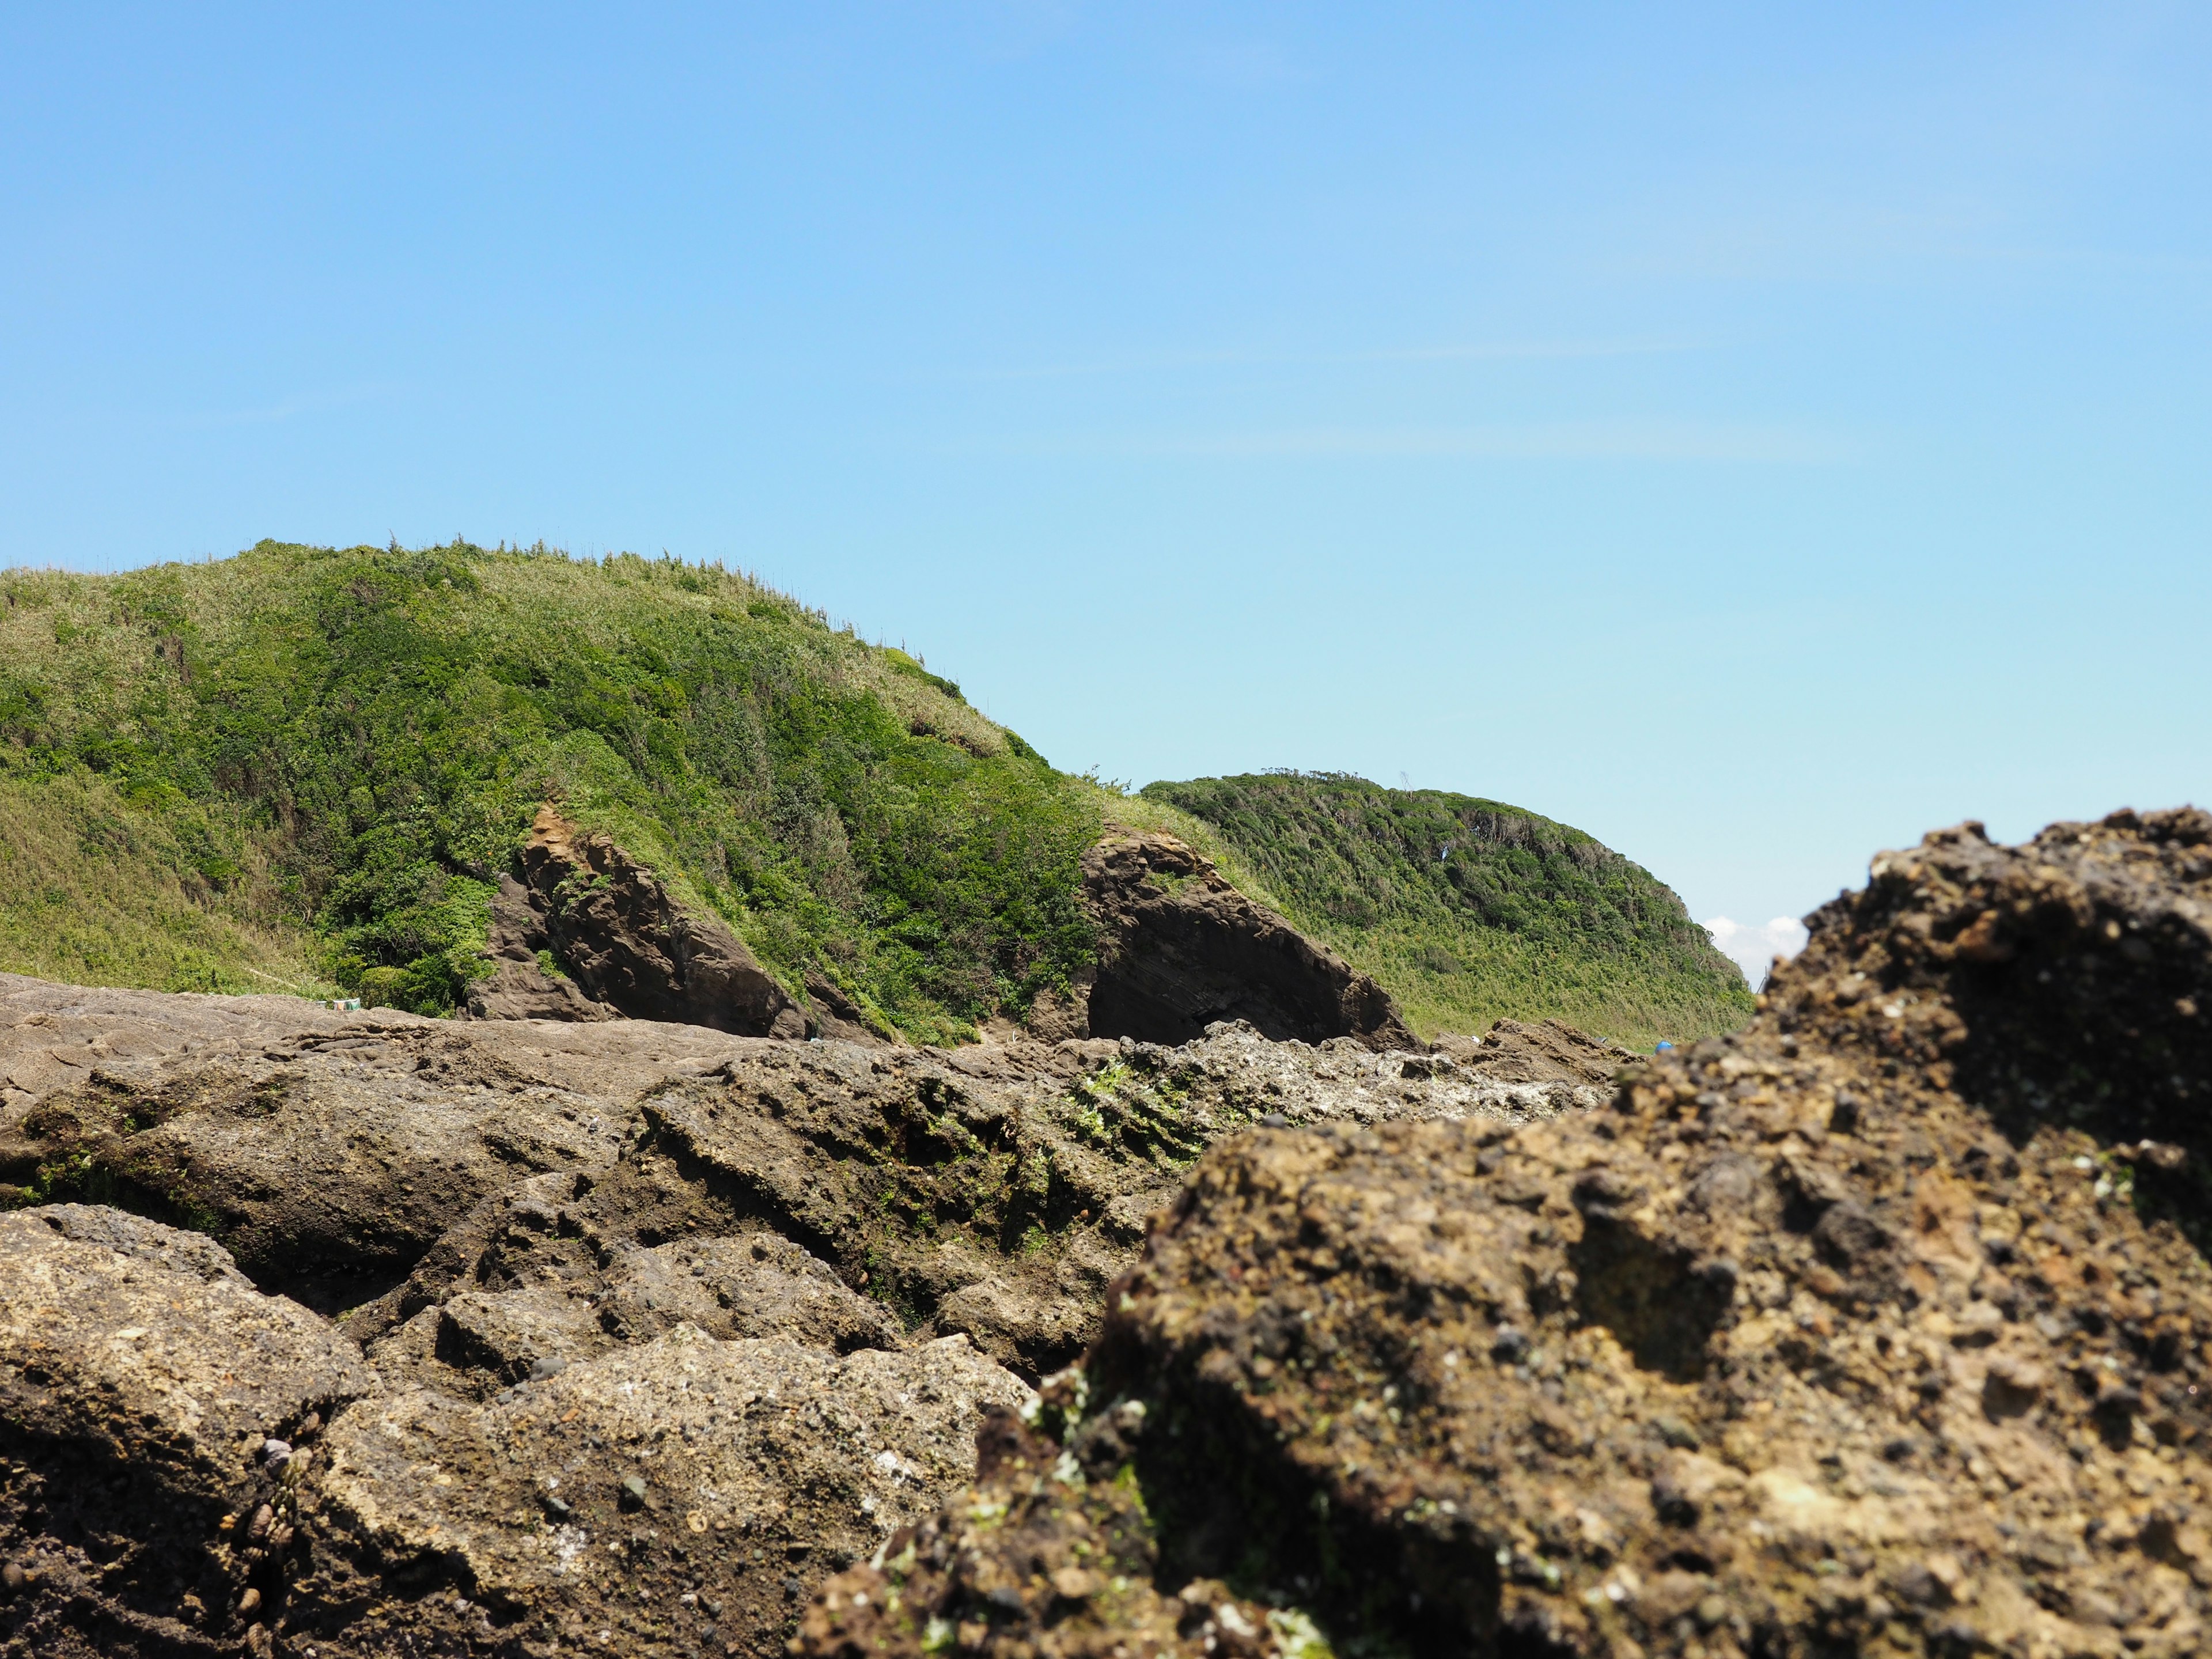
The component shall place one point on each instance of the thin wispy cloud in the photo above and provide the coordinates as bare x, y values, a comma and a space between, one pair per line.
1487, 351
1237, 64
2118, 261
313, 403
1627, 441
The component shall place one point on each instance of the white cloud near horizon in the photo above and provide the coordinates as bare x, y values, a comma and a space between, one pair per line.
1753, 947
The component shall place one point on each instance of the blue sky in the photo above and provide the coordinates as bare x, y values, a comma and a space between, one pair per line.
1753, 435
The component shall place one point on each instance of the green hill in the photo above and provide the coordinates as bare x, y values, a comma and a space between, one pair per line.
1469, 910
291, 767
297, 764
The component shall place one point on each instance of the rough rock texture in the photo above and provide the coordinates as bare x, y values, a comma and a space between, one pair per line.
629, 945
2062, 982
992, 1192
1034, 1551
664, 1494
1869, 1330
1554, 1051
328, 1152
635, 1221
998, 1193
1179, 949
519, 986
505, 1302
995, 1190
141, 1377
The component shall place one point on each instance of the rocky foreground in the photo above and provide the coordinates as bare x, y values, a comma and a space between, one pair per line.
528, 1336
1881, 1327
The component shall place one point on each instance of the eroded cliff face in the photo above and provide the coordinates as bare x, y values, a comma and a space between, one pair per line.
1179, 949
628, 948
1875, 1329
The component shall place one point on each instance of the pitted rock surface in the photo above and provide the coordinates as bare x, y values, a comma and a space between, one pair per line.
141, 1378
663, 1492
1033, 1547
1866, 1331
2068, 980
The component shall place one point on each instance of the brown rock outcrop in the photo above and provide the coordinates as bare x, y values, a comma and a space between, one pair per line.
626, 942
582, 1215
151, 1402
520, 985
1180, 949
1513, 1051
1875, 1329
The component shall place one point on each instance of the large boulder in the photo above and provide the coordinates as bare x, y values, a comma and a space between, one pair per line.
1877, 1327
627, 943
329, 1151
1180, 949
658, 1499
328, 1161
154, 1411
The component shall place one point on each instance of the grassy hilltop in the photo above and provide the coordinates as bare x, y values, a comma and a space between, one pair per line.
1470, 910
286, 769
299, 764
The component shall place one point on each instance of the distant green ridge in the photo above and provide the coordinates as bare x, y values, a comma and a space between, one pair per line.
1468, 911
282, 769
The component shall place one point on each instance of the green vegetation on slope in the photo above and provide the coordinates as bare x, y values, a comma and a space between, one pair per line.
95, 891
1470, 910
307, 760
305, 767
